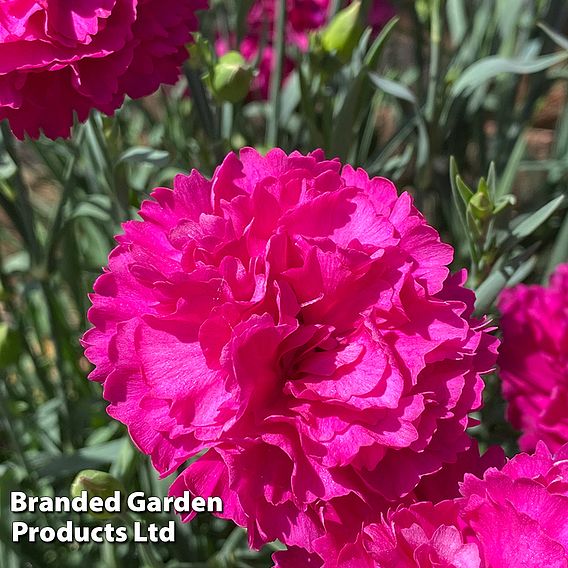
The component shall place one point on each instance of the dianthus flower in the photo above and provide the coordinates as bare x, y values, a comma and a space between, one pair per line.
519, 514
423, 535
424, 529
297, 320
61, 58
534, 360
303, 16
504, 517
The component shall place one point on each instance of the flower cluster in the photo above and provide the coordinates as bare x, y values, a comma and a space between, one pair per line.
61, 58
534, 360
297, 320
514, 516
304, 16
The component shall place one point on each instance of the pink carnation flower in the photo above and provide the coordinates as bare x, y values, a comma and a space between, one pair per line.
504, 518
423, 535
445, 483
303, 16
357, 535
60, 58
520, 514
534, 360
298, 320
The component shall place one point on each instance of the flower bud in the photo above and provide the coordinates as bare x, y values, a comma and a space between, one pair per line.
96, 484
231, 77
480, 206
343, 32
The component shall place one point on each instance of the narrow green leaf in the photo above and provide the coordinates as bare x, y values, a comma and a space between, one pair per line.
64, 465
559, 253
291, 96
457, 22
492, 181
532, 222
397, 90
456, 194
505, 184
557, 38
273, 123
87, 209
514, 271
490, 67
344, 121
372, 57
142, 155
465, 193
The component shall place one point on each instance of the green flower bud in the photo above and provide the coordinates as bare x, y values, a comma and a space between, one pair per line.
343, 32
96, 484
230, 78
480, 206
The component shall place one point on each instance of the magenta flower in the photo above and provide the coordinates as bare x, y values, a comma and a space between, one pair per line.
61, 58
423, 535
357, 535
509, 517
519, 514
445, 483
297, 320
303, 16
534, 360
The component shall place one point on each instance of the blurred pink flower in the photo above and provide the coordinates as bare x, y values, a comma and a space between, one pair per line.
520, 514
534, 360
303, 16
61, 58
298, 320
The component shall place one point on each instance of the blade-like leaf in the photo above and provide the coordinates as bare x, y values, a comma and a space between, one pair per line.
558, 39
532, 222
397, 90
142, 155
490, 67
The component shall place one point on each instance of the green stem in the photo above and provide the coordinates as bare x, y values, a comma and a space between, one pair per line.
276, 78
435, 42
201, 103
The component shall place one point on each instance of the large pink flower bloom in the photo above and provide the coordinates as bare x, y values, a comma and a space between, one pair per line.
63, 57
534, 360
520, 514
303, 16
298, 320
